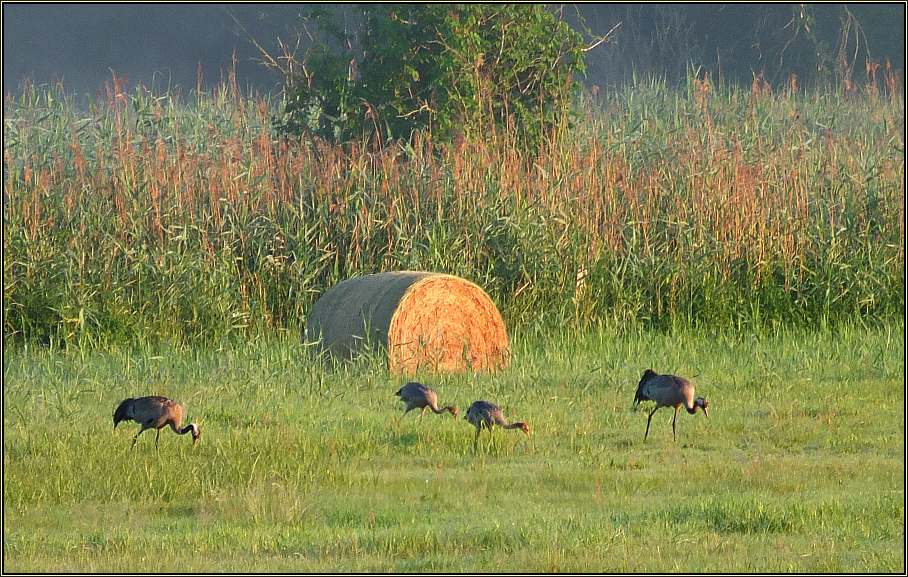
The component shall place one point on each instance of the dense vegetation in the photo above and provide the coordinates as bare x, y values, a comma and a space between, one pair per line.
145, 216
752, 240
439, 69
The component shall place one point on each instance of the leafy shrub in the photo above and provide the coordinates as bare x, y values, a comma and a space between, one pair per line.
474, 69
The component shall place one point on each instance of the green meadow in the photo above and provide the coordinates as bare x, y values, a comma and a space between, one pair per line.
305, 466
750, 240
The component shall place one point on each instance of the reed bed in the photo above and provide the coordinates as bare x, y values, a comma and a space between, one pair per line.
147, 216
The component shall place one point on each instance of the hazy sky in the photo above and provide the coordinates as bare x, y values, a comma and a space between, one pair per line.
80, 43
151, 44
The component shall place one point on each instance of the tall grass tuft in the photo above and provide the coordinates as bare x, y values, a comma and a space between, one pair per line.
141, 216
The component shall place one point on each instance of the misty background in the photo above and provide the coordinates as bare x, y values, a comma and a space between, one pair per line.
161, 45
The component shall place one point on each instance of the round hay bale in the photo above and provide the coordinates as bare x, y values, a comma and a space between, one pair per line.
426, 321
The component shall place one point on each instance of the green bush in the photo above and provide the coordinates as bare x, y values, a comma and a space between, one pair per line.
476, 69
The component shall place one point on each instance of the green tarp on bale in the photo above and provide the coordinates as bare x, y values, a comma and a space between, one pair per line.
426, 321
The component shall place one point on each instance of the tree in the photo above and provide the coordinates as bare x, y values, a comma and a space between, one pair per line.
440, 68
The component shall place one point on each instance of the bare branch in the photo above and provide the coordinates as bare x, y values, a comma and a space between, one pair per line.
601, 40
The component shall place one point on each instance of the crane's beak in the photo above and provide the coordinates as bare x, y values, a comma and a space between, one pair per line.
705, 412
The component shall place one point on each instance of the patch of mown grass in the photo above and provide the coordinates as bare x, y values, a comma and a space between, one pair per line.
310, 467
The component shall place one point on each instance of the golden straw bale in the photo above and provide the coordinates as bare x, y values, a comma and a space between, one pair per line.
424, 320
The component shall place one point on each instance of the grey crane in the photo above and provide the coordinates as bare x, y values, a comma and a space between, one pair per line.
483, 414
419, 396
154, 412
668, 391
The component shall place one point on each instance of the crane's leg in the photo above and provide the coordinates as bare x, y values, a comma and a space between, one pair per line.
136, 438
648, 422
476, 438
422, 414
674, 436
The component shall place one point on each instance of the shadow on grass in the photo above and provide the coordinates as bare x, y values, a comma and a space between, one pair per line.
407, 439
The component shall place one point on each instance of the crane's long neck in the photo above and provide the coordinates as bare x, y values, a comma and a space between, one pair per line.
442, 410
522, 426
699, 403
191, 427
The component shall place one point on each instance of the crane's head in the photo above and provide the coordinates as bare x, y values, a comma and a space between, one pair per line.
525, 428
122, 412
453, 410
701, 402
196, 432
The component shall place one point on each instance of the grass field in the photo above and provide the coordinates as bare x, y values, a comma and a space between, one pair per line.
749, 239
306, 467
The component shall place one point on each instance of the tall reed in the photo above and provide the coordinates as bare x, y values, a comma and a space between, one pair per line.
140, 216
